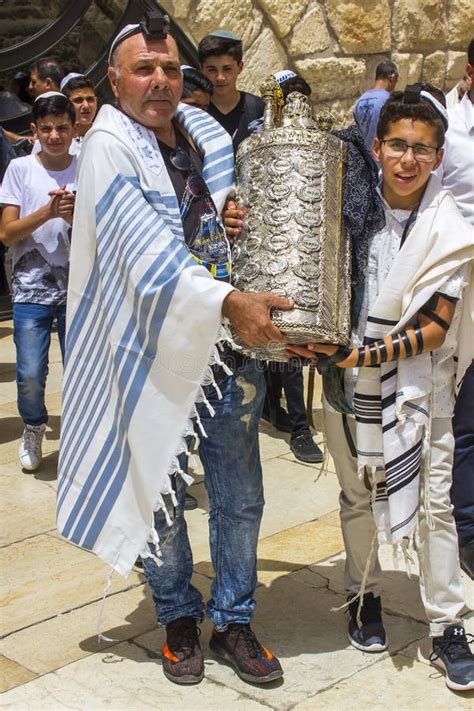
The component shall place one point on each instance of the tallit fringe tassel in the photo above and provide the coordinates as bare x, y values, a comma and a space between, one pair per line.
324, 468
218, 361
363, 585
102, 637
199, 424
208, 405
404, 550
425, 473
363, 582
208, 379
223, 336
153, 540
408, 554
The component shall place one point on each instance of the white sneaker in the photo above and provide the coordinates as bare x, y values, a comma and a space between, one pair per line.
30, 447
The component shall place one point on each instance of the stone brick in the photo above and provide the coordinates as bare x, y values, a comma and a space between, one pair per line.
434, 68
283, 15
419, 24
455, 68
361, 26
461, 20
264, 57
310, 34
332, 78
245, 20
169, 6
409, 68
181, 8
371, 63
342, 110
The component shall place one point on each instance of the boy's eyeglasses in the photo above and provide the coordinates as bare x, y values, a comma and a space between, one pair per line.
421, 153
195, 182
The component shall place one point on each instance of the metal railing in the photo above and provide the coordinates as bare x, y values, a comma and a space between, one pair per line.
43, 42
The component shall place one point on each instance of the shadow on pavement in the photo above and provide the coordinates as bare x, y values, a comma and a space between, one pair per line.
12, 427
6, 331
49, 468
7, 373
292, 619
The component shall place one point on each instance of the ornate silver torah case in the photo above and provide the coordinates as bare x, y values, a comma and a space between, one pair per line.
289, 178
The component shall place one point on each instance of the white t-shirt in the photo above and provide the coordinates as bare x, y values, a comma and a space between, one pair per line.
458, 162
41, 261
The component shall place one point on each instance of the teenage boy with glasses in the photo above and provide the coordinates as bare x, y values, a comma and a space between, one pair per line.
393, 444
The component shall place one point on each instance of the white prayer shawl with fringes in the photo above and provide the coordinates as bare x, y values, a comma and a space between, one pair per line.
143, 320
392, 402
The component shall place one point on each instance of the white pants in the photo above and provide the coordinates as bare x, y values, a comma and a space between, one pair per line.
440, 574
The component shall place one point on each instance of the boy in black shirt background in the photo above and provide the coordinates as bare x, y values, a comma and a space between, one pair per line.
220, 56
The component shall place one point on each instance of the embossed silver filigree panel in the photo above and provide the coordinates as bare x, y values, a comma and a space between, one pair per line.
290, 180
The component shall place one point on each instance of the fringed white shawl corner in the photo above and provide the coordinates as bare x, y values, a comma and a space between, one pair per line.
143, 319
393, 402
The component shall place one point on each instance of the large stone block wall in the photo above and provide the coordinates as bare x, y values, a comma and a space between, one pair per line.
336, 44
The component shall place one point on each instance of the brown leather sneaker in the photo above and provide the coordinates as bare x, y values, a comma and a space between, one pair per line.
239, 646
183, 662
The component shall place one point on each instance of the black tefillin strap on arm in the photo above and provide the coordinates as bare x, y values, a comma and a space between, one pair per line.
377, 350
419, 340
433, 316
429, 310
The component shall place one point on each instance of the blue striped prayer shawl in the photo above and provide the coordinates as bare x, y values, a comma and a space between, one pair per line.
143, 319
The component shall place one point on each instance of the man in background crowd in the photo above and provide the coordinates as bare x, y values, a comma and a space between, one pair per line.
220, 55
46, 74
368, 107
81, 93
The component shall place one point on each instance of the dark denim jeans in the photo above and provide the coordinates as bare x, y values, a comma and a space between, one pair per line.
32, 325
462, 491
289, 377
233, 479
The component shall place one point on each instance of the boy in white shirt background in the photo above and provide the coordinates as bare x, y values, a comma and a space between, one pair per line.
38, 201
81, 93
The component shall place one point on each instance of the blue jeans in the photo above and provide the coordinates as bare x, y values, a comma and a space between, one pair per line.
462, 491
32, 334
233, 478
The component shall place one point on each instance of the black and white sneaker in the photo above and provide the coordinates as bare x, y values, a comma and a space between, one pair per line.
451, 653
371, 636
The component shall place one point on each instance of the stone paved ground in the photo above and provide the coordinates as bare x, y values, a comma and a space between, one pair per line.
51, 593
